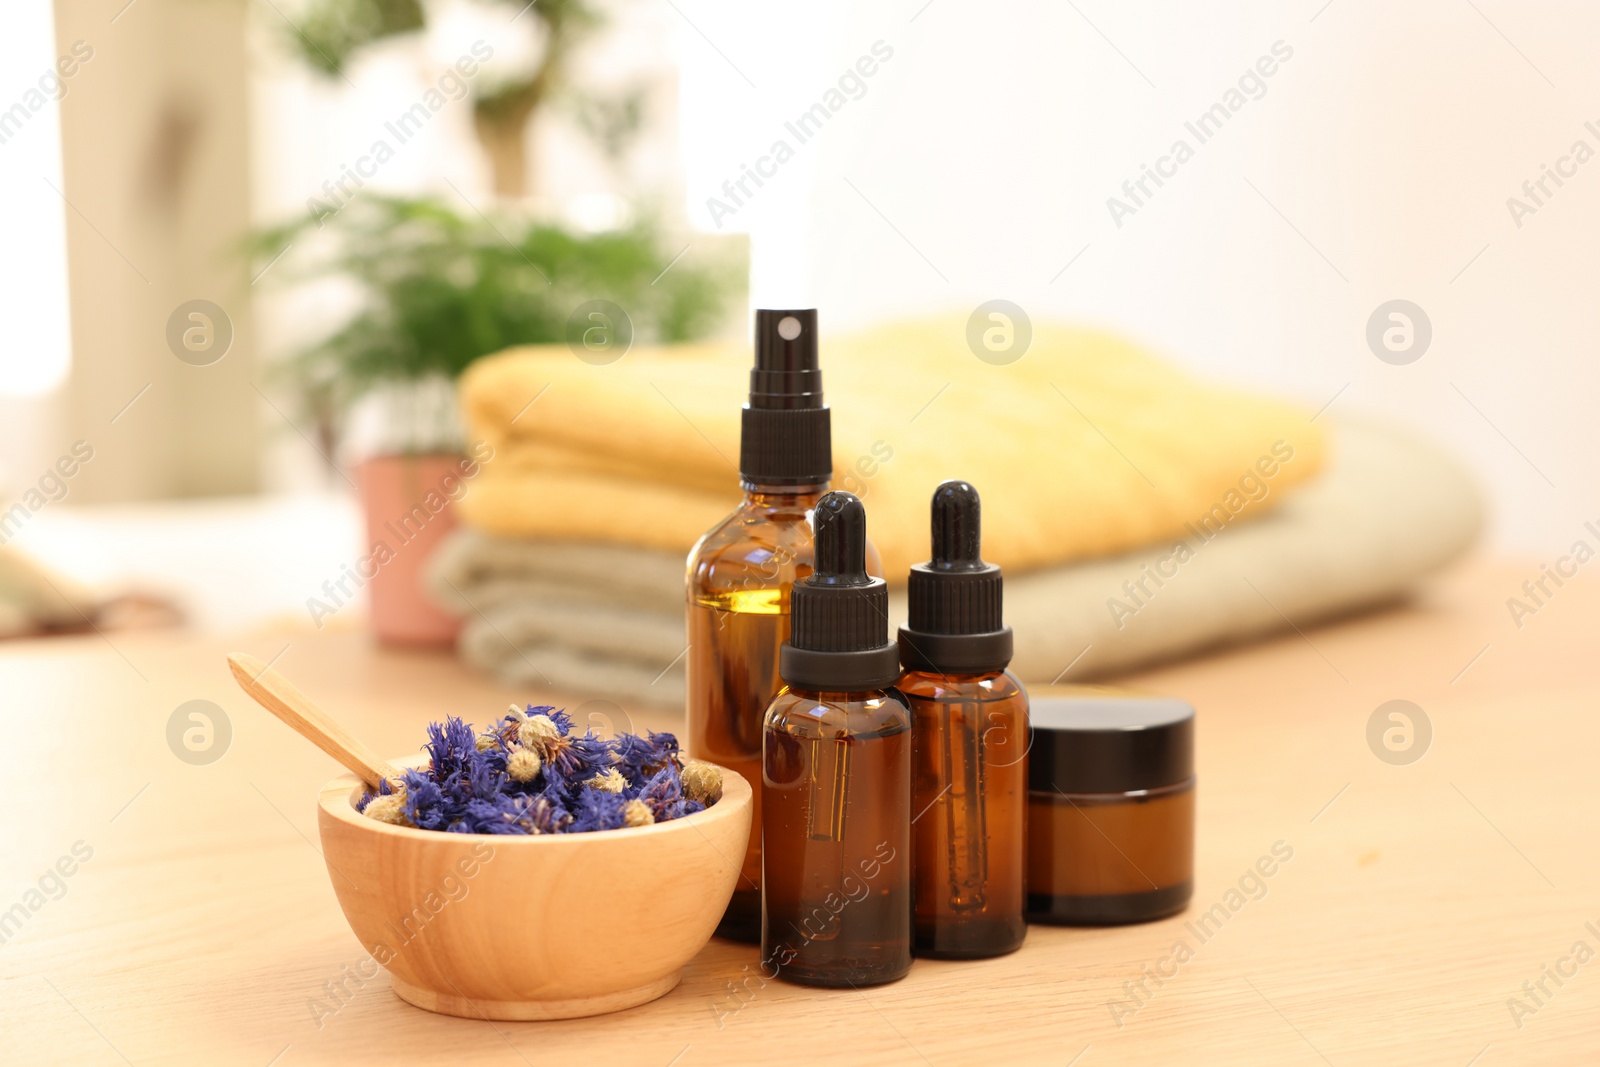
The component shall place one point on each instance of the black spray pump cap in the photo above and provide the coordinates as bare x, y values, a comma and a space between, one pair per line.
954, 600
786, 436
786, 373
839, 631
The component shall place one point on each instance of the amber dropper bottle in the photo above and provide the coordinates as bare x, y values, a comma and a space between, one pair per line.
836, 771
970, 785
741, 571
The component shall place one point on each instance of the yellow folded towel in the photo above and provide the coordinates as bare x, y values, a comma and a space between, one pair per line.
1086, 446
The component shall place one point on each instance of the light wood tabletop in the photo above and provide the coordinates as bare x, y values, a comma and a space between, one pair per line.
1432, 912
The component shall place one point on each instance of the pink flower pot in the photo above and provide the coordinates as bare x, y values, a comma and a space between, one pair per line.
407, 501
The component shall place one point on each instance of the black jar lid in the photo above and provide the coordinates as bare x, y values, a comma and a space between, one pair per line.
1104, 741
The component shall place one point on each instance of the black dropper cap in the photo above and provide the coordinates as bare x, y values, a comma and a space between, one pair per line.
839, 630
786, 436
954, 599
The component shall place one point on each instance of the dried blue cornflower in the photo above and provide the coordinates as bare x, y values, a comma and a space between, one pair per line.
597, 810
426, 805
503, 815
679, 808
452, 746
577, 758
528, 773
484, 776
639, 756
544, 816
660, 791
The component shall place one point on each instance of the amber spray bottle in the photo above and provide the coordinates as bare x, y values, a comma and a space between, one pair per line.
970, 784
741, 571
836, 771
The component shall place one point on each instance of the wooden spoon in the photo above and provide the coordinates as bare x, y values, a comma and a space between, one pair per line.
275, 693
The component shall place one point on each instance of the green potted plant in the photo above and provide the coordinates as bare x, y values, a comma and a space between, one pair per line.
438, 289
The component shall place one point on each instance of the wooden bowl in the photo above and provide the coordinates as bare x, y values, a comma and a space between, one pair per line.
557, 926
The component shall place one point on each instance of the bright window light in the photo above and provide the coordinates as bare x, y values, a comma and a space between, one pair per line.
33, 257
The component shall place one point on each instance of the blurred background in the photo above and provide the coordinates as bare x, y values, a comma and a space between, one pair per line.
255, 242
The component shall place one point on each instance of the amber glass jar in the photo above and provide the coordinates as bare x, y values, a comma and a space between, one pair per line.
1111, 794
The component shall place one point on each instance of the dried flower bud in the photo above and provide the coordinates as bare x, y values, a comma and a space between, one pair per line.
518, 714
485, 742
389, 808
523, 766
537, 731
608, 780
702, 782
637, 813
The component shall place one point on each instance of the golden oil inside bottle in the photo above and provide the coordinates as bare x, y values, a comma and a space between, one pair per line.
734, 638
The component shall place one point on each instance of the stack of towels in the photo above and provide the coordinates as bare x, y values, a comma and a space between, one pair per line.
1139, 514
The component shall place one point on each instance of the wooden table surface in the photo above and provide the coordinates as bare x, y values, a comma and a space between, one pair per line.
201, 927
